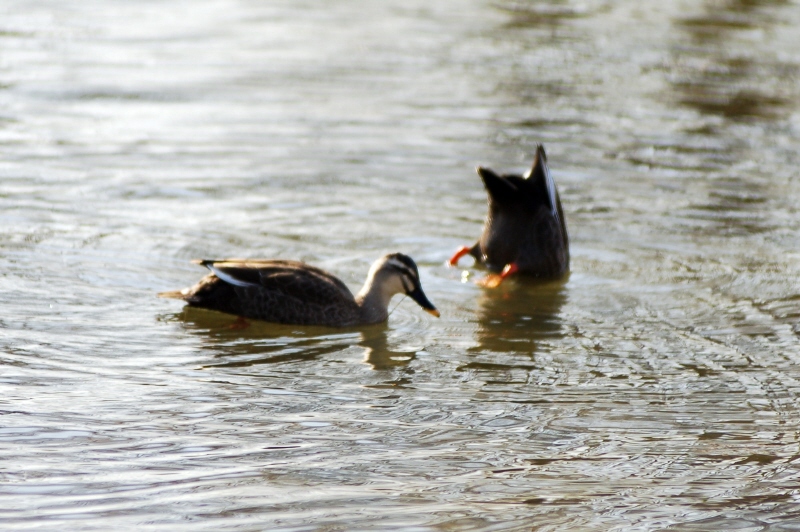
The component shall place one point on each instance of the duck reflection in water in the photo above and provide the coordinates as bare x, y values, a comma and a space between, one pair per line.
269, 343
513, 318
525, 231
379, 351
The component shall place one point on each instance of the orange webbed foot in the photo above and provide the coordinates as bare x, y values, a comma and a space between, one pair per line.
493, 280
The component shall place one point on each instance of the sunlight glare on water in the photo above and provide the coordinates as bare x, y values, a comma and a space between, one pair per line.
654, 388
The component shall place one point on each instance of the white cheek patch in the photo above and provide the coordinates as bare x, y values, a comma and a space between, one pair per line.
406, 274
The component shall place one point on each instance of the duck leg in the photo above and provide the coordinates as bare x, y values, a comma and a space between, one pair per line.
460, 252
493, 280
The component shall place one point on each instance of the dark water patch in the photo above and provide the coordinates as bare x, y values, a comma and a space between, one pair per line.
718, 76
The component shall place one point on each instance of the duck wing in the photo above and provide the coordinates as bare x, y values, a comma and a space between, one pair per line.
288, 278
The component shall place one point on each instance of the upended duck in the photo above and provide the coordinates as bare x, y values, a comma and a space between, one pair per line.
525, 231
292, 292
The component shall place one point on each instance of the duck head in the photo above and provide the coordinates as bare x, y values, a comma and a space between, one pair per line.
394, 274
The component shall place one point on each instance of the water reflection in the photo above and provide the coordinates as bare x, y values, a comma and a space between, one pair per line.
672, 403
732, 207
517, 315
536, 27
239, 343
540, 14
380, 353
715, 81
728, 16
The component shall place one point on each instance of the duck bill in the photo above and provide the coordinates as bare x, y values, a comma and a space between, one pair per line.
422, 300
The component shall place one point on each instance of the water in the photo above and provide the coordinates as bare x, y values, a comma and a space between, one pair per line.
657, 388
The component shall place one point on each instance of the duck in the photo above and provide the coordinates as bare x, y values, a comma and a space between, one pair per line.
525, 231
296, 293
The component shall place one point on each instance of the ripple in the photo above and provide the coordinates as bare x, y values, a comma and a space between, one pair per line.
655, 388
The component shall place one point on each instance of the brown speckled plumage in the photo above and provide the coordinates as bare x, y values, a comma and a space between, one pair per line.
525, 225
292, 292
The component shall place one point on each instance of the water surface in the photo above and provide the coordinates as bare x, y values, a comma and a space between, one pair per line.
656, 388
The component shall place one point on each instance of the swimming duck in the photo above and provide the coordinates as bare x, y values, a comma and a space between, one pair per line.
292, 292
525, 230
